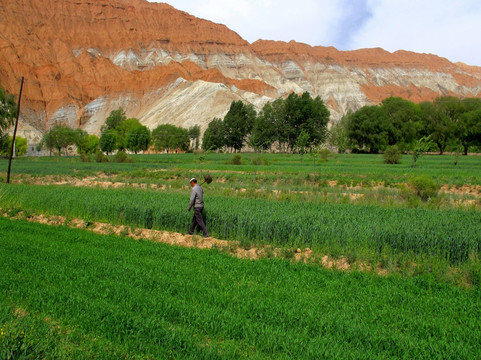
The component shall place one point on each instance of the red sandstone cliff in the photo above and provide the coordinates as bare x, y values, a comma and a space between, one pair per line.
83, 58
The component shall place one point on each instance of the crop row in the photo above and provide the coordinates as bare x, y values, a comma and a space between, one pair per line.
451, 234
356, 167
112, 297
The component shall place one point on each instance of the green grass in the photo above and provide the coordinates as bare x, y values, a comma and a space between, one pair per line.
72, 294
452, 236
280, 177
355, 168
112, 297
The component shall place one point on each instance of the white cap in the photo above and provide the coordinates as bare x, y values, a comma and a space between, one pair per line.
193, 179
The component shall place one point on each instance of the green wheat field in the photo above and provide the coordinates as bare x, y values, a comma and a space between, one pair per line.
73, 294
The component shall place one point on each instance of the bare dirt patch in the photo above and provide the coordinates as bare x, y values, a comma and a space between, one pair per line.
467, 189
353, 196
330, 263
100, 180
20, 312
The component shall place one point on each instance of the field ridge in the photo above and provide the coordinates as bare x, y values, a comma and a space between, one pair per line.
232, 247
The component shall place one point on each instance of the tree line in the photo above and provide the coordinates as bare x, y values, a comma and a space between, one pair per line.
295, 123
448, 122
120, 133
299, 124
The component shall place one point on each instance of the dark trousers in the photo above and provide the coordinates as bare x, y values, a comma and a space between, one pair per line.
197, 219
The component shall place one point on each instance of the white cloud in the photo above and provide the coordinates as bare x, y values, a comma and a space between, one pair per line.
443, 27
308, 21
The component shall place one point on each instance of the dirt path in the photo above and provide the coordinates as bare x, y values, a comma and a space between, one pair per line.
234, 248
172, 238
103, 181
89, 181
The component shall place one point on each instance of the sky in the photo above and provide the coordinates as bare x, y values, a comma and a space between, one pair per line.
447, 28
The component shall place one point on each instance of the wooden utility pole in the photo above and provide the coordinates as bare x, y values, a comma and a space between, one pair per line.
12, 149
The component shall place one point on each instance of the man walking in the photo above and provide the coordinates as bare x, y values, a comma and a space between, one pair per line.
197, 201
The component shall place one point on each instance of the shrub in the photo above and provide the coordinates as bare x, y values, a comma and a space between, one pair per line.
325, 154
101, 157
121, 157
236, 160
85, 158
392, 155
424, 187
259, 161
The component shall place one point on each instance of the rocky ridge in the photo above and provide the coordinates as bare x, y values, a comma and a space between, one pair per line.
83, 58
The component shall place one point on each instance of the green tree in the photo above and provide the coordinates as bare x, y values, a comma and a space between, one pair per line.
86, 144
20, 146
182, 139
437, 124
80, 139
263, 132
421, 146
304, 113
294, 119
123, 128
275, 115
170, 137
302, 142
138, 139
91, 145
404, 117
8, 112
317, 118
270, 126
337, 136
194, 135
59, 137
238, 123
368, 128
468, 130
163, 137
451, 106
117, 122
108, 141
470, 104
63, 136
214, 135
46, 142
114, 120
